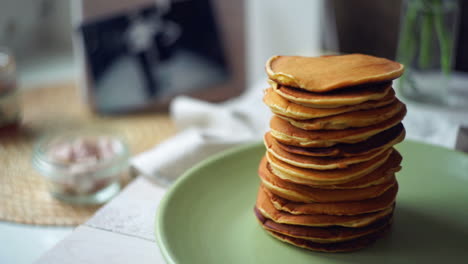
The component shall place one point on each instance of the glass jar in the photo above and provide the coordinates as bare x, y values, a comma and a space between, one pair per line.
9, 106
427, 49
82, 166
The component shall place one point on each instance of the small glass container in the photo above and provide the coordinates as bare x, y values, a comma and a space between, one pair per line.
9, 106
82, 167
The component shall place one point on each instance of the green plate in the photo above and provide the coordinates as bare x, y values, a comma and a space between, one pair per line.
207, 216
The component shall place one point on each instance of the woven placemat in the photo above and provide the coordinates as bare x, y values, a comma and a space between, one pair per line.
23, 194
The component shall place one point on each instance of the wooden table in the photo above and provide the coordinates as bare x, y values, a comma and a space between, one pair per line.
120, 232
45, 109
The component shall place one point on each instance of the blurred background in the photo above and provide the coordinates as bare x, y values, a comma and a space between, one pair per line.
89, 41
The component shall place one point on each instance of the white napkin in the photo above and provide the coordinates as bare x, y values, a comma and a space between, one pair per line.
205, 129
431, 125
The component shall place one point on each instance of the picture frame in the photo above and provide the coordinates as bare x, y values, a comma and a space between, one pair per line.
229, 21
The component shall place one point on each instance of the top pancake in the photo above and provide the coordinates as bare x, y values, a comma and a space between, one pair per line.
327, 73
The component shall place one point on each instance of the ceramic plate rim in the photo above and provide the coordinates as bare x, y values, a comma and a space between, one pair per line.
187, 174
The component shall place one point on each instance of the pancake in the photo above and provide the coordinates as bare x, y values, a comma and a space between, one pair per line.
346, 246
288, 134
380, 175
327, 73
361, 118
382, 140
267, 209
373, 174
331, 234
326, 177
282, 106
317, 163
335, 99
307, 194
379, 203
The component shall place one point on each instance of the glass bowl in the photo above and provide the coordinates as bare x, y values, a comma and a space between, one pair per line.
82, 166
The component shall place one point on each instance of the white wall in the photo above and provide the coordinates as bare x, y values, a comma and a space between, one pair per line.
38, 32
30, 25
280, 27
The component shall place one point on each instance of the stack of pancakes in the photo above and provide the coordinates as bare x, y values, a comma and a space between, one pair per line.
328, 176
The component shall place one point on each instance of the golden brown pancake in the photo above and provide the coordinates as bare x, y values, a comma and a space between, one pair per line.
307, 194
335, 99
282, 106
327, 73
288, 134
382, 174
382, 140
346, 246
317, 163
325, 177
379, 203
330, 234
267, 209
361, 118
